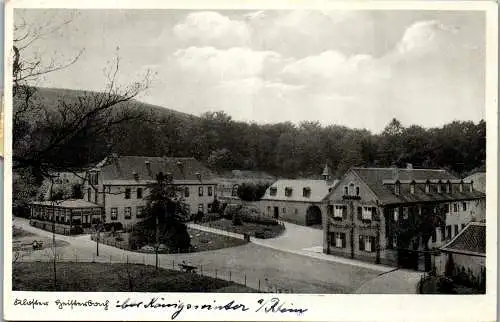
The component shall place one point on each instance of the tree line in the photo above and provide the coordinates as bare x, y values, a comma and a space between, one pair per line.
289, 150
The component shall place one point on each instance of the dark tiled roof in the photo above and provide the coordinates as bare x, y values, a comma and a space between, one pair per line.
374, 178
123, 168
471, 240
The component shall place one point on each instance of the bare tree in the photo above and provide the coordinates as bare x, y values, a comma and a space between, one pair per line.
49, 138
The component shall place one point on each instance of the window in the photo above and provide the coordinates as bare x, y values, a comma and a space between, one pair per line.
88, 194
405, 213
447, 207
464, 206
114, 213
455, 207
448, 231
140, 212
397, 188
329, 210
443, 233
288, 192
438, 188
273, 191
434, 234
139, 193
456, 229
339, 211
200, 208
396, 214
367, 213
346, 190
234, 191
412, 187
357, 191
296, 211
283, 210
127, 193
306, 192
268, 209
367, 243
128, 213
448, 187
186, 192
200, 191
338, 240
427, 187
210, 191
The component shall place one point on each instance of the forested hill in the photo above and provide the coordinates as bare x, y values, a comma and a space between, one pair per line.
289, 150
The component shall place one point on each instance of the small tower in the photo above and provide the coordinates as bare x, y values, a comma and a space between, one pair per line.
326, 173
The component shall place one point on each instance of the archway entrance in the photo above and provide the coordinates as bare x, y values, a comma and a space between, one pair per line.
313, 216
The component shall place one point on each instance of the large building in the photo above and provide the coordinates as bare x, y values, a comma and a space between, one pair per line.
297, 201
120, 185
370, 210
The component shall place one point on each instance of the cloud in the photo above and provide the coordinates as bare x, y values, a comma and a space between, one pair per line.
211, 28
227, 64
427, 37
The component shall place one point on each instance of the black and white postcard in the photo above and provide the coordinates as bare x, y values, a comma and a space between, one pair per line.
250, 160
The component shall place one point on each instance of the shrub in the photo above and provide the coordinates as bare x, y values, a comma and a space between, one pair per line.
248, 215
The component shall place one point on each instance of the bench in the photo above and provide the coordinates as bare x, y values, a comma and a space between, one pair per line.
188, 268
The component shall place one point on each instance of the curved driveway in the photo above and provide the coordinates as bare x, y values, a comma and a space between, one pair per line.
262, 267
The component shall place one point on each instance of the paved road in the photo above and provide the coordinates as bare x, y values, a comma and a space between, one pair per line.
263, 268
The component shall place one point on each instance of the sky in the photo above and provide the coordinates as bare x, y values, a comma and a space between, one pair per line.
355, 68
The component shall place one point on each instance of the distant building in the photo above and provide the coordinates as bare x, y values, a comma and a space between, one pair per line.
297, 201
478, 181
120, 185
368, 207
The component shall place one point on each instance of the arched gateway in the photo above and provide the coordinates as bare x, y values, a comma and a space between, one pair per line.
313, 216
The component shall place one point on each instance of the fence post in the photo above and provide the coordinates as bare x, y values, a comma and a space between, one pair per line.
173, 263
259, 285
245, 279
143, 259
110, 259
230, 276
201, 269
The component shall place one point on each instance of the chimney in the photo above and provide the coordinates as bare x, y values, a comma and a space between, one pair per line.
180, 165
148, 167
136, 175
198, 175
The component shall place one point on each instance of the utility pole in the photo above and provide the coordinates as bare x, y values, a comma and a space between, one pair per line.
53, 230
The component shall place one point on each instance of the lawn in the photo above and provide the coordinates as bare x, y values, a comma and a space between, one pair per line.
267, 231
100, 277
200, 241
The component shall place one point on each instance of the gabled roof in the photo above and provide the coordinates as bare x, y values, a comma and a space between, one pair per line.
124, 168
375, 178
319, 189
479, 179
470, 241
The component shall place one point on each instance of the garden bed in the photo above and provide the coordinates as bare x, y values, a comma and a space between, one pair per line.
253, 229
442, 285
200, 241
100, 277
